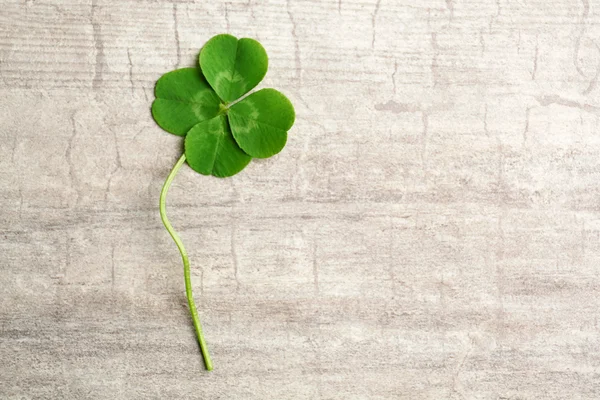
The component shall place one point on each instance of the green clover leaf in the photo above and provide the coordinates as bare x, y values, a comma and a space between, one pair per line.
233, 67
211, 150
222, 133
183, 98
260, 122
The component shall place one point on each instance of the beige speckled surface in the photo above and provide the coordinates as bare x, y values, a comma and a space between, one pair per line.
431, 231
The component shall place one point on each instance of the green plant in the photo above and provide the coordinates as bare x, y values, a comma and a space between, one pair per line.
222, 132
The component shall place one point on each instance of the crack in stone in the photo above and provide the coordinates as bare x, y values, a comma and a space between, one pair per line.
425, 120
112, 269
315, 266
118, 166
99, 47
494, 18
251, 8
456, 385
526, 130
228, 25
535, 59
481, 41
450, 7
485, 121
64, 270
500, 313
582, 21
374, 22
397, 108
298, 68
21, 201
176, 31
130, 70
594, 81
56, 8
235, 258
555, 99
68, 157
434, 60
394, 75
13, 155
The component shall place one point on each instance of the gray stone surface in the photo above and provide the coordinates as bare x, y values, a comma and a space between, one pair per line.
431, 231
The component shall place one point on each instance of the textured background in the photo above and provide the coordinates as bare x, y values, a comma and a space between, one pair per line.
431, 231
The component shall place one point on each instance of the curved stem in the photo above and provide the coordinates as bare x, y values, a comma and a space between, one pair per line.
186, 262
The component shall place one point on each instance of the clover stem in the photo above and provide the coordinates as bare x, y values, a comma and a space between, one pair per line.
186, 263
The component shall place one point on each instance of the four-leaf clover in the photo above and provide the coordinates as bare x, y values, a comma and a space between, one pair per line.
222, 130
